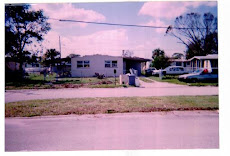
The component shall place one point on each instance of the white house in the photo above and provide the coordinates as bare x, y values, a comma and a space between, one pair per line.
209, 61
87, 66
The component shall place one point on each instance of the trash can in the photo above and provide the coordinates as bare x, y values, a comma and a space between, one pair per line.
132, 79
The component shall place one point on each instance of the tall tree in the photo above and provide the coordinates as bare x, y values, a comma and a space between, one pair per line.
198, 33
23, 27
51, 57
157, 52
177, 55
160, 60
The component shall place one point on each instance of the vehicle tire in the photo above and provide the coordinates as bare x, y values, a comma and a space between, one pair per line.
193, 80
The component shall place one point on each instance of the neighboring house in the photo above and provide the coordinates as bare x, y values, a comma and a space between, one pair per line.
181, 62
87, 66
62, 66
178, 62
31, 65
209, 61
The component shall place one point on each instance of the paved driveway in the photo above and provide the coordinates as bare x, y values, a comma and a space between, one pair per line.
146, 89
158, 130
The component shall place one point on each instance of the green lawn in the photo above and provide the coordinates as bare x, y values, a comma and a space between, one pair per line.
35, 81
109, 105
174, 79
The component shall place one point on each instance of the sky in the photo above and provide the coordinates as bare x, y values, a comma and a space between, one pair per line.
88, 39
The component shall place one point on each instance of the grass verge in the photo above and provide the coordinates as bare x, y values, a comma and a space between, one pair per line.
81, 106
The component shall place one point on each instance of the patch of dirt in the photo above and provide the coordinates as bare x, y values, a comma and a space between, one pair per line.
59, 86
81, 85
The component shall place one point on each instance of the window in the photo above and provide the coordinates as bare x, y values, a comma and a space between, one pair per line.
178, 63
86, 64
81, 64
181, 69
114, 64
109, 64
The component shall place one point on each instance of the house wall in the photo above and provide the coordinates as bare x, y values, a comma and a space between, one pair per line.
96, 65
204, 63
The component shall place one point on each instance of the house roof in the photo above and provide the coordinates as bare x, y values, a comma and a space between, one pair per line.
207, 57
178, 60
137, 59
126, 58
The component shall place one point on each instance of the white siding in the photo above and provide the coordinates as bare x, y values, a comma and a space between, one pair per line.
97, 65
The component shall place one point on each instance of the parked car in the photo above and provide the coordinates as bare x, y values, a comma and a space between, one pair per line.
200, 75
149, 72
171, 70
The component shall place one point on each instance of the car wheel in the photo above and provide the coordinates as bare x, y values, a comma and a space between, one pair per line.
193, 80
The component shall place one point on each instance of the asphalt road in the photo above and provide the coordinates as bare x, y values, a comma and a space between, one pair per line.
146, 89
159, 130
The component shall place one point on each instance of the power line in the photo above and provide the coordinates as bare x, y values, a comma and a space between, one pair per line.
124, 25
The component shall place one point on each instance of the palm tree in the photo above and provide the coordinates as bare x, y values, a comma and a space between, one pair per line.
50, 57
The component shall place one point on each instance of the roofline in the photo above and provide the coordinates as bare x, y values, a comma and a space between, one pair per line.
137, 59
128, 58
204, 57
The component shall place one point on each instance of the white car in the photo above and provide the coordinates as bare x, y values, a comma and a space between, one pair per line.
171, 70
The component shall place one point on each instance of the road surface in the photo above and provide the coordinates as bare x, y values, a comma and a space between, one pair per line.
146, 89
158, 130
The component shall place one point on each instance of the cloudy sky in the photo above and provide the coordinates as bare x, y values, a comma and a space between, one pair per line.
85, 39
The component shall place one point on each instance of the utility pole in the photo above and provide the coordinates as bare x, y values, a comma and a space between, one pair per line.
60, 45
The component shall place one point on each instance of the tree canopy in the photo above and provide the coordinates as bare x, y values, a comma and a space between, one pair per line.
198, 33
160, 60
23, 27
177, 55
51, 57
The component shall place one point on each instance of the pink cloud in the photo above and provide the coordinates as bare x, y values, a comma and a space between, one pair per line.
157, 23
68, 11
169, 10
110, 42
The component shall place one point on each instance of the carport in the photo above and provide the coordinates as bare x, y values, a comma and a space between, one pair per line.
136, 63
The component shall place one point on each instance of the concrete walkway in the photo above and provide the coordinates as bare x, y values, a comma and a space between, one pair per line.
145, 90
156, 84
